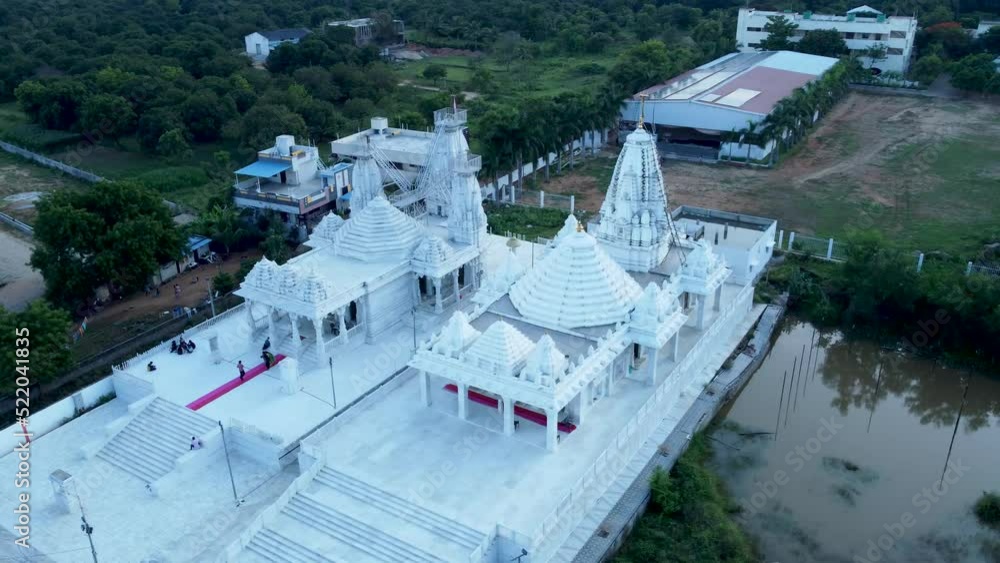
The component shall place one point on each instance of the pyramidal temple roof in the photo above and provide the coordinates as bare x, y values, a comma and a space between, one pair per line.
576, 285
326, 229
545, 364
378, 232
502, 349
457, 334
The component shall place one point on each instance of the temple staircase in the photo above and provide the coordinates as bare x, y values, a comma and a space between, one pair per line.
338, 518
150, 443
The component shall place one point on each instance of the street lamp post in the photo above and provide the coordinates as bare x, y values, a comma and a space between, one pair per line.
333, 385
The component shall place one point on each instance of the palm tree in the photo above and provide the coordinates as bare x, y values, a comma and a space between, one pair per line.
749, 136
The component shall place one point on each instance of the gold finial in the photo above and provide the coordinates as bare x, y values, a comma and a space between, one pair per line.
642, 109
579, 227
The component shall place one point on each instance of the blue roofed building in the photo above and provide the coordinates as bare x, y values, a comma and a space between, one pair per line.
293, 181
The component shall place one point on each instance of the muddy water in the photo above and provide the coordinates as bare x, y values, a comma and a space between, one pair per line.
839, 457
19, 283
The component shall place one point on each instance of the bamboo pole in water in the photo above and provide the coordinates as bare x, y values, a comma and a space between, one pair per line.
780, 403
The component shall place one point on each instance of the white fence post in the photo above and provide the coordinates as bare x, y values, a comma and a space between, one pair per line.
968, 268
541, 199
781, 239
791, 240
829, 250
572, 204
920, 262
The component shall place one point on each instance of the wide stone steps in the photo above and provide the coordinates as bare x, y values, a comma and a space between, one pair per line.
446, 528
150, 444
357, 535
270, 545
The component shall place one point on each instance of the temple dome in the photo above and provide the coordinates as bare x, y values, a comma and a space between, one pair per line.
506, 275
288, 283
545, 364
502, 350
263, 275
312, 289
366, 183
576, 285
378, 232
570, 226
327, 228
432, 252
457, 334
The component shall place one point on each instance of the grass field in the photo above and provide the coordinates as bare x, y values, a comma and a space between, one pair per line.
21, 182
543, 76
923, 171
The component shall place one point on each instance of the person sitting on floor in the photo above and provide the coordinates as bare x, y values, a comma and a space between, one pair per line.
191, 346
267, 344
173, 346
195, 443
150, 367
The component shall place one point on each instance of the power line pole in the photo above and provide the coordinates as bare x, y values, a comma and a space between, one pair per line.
333, 384
232, 481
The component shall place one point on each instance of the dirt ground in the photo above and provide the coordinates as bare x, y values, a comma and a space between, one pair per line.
123, 319
22, 183
924, 170
19, 283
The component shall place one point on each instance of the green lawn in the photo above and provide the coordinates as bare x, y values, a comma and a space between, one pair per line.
543, 76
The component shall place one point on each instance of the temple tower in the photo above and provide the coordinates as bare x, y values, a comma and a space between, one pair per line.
634, 226
466, 218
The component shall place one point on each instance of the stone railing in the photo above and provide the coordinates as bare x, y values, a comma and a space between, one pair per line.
588, 488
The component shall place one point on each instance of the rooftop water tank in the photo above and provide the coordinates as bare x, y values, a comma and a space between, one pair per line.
284, 144
380, 124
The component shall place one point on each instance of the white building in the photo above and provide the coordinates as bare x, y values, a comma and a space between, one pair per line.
983, 27
293, 181
438, 395
259, 44
366, 30
689, 113
861, 28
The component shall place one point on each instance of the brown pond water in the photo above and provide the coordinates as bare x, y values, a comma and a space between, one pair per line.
854, 472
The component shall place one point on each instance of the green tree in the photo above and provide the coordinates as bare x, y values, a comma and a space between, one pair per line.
645, 64
435, 73
107, 115
48, 330
274, 245
505, 48
205, 113
823, 42
927, 68
976, 73
153, 124
174, 145
779, 32
265, 122
875, 53
117, 234
224, 225
664, 493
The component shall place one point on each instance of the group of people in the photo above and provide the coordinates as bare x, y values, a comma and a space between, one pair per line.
182, 347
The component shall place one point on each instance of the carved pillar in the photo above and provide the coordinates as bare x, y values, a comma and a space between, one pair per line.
366, 306
675, 348
463, 401
296, 341
250, 322
508, 416
320, 340
415, 289
551, 430
437, 295
271, 332
702, 299
454, 282
425, 388
342, 319
652, 357
718, 299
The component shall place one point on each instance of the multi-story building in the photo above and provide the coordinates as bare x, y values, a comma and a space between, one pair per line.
291, 180
861, 28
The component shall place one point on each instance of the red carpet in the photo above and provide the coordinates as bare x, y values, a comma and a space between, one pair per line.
526, 414
230, 385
